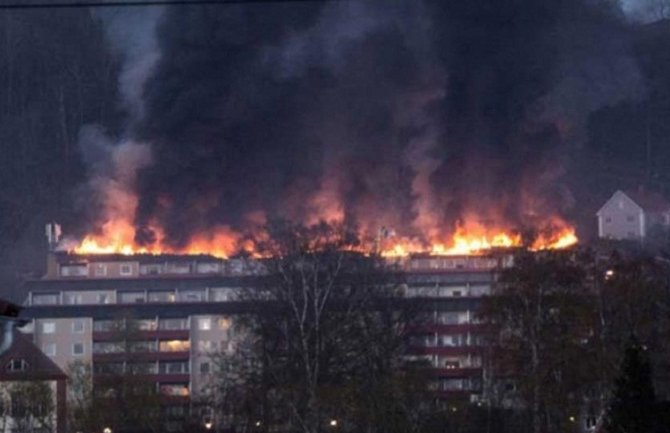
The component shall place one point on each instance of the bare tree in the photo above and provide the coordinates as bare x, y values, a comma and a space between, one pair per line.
123, 396
326, 337
543, 318
31, 406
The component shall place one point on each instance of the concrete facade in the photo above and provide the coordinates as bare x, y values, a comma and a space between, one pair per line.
185, 309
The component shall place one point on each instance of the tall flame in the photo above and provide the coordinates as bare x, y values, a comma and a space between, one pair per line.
117, 237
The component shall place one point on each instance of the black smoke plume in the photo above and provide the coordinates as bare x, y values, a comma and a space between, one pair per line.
402, 114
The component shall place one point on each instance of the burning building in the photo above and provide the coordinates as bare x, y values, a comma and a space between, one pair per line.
185, 305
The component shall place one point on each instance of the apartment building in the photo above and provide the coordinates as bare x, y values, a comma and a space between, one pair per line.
184, 306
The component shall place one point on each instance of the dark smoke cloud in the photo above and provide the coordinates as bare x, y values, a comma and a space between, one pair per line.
522, 76
396, 108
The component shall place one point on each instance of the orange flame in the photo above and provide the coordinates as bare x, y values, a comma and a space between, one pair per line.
117, 238
465, 242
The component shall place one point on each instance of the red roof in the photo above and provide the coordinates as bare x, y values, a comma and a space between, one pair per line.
40, 366
649, 201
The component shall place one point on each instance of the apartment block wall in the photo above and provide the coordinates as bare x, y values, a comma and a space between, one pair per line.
186, 314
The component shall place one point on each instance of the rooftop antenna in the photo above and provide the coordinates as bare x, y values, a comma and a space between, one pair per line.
53, 232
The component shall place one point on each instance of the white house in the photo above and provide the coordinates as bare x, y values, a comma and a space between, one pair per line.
631, 214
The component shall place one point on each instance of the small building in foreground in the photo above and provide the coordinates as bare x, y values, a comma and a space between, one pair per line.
32, 388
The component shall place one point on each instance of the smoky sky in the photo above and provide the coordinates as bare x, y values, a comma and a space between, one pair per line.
396, 110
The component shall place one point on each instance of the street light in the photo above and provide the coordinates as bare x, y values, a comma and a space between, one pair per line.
107, 430
333, 423
208, 425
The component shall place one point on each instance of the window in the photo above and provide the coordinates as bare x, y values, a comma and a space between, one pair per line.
175, 346
205, 324
49, 349
449, 365
452, 384
17, 365
142, 346
173, 367
204, 367
78, 326
166, 296
205, 346
107, 347
74, 271
177, 389
48, 327
103, 325
151, 269
103, 298
630, 218
100, 270
143, 368
147, 325
45, 299
126, 269
208, 268
192, 296
178, 268
608, 220
224, 323
480, 290
72, 299
108, 368
78, 349
131, 297
221, 294
453, 340
450, 318
173, 324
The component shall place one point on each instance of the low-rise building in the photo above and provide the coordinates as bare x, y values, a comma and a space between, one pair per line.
32, 389
632, 215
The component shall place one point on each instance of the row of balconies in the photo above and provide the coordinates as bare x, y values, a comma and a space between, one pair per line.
105, 297
82, 268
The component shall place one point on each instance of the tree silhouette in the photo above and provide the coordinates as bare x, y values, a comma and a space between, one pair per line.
632, 406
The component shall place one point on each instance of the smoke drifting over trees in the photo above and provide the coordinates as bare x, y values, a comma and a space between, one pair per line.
411, 115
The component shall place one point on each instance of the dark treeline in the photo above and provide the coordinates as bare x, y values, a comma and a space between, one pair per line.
57, 73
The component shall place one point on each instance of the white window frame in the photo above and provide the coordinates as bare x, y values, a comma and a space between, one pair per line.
126, 269
100, 270
205, 324
48, 327
74, 326
73, 299
22, 365
83, 349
